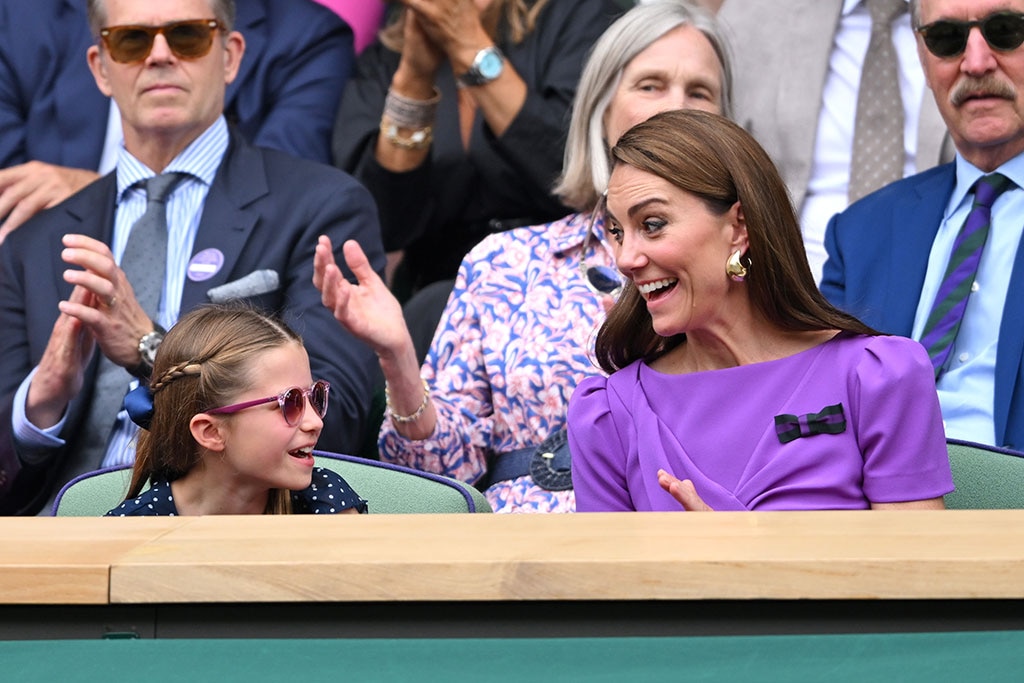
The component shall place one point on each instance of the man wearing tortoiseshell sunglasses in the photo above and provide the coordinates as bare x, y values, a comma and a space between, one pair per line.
58, 132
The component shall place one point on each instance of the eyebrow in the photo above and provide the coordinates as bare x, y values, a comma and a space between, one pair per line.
633, 210
636, 208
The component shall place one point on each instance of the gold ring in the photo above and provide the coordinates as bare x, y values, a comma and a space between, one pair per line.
112, 302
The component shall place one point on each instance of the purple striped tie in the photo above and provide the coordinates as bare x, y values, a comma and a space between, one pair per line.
951, 300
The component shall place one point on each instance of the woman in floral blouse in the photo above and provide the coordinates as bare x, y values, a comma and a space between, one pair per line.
515, 336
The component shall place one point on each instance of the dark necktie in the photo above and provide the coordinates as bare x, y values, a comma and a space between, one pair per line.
877, 157
144, 262
947, 313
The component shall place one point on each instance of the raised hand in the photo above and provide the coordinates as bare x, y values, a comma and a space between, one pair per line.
61, 371
367, 309
112, 314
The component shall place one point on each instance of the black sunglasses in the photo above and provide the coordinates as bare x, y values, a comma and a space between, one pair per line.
600, 279
292, 402
1003, 31
190, 39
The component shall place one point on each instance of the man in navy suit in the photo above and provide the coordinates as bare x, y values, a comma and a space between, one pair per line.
54, 122
65, 302
888, 253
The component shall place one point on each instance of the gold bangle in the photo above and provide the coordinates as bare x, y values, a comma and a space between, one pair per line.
402, 419
419, 139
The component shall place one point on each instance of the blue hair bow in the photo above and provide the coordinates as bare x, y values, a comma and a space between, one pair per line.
139, 404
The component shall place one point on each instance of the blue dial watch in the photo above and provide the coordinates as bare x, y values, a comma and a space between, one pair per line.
487, 66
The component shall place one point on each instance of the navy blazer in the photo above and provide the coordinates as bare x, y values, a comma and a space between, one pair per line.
264, 210
298, 57
877, 258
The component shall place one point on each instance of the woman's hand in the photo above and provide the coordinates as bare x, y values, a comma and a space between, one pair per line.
371, 312
450, 25
421, 58
683, 491
367, 309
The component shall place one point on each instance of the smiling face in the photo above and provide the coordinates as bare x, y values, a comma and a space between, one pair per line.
980, 92
674, 248
680, 70
259, 447
165, 101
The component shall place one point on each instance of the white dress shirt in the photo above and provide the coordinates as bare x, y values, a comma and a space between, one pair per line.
833, 147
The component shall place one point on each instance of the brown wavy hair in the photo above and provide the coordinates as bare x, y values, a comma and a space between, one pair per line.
716, 160
205, 360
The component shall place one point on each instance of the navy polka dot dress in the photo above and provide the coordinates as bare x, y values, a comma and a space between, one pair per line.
328, 493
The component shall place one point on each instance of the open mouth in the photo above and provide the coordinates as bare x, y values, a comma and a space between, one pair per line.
302, 453
651, 291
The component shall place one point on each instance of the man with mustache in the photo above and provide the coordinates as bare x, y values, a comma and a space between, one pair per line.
936, 256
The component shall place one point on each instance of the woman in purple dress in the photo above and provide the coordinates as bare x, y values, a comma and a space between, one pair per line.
733, 384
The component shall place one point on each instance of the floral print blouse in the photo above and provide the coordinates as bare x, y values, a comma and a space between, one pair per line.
515, 339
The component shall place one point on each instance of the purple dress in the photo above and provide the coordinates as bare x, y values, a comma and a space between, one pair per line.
852, 421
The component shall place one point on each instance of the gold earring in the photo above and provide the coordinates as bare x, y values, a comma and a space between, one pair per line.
734, 268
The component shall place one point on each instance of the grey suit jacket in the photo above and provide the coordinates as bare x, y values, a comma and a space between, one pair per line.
781, 51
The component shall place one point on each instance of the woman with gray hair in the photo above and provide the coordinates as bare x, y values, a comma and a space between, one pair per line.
489, 404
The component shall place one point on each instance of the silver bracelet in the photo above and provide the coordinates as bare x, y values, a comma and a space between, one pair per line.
402, 419
406, 112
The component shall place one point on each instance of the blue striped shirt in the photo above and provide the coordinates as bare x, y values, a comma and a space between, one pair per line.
200, 160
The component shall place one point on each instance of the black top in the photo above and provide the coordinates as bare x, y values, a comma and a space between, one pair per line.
440, 210
327, 493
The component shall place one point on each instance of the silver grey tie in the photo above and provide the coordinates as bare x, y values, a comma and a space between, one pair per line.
877, 158
144, 262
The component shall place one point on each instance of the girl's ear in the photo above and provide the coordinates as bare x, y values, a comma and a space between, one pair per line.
208, 431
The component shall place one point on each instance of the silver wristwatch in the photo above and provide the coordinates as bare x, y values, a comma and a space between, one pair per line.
148, 345
486, 66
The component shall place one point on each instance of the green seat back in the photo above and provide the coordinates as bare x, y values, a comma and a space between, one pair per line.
393, 489
986, 477
94, 493
386, 488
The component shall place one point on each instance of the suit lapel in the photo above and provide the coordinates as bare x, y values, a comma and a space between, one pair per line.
228, 216
916, 217
1008, 353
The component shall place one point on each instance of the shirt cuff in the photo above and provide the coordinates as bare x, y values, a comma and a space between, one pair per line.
33, 442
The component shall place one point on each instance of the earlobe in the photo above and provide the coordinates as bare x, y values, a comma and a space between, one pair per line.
207, 431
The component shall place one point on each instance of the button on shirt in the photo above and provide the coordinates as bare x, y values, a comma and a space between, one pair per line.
967, 388
200, 160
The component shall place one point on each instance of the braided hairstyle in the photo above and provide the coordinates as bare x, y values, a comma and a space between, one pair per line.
204, 361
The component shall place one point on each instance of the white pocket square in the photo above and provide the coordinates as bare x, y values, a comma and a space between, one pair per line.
255, 283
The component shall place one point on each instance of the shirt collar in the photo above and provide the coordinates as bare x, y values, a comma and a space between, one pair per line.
567, 235
967, 174
200, 159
